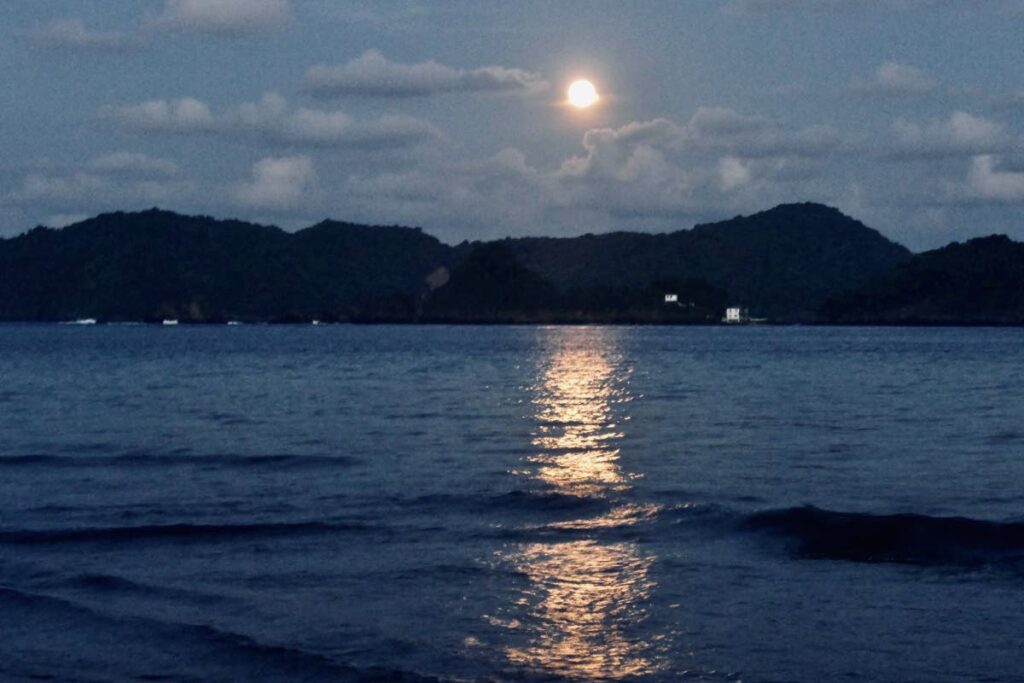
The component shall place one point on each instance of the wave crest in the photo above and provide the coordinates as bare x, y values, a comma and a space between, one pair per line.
906, 538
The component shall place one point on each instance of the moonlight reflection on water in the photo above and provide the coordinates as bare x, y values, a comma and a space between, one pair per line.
585, 595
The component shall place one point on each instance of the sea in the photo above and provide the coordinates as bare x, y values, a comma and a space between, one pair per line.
511, 503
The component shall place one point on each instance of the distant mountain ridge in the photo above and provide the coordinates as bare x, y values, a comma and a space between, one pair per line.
792, 263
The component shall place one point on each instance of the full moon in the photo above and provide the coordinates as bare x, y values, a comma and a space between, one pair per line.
582, 94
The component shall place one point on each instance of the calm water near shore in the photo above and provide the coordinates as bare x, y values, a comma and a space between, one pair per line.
511, 503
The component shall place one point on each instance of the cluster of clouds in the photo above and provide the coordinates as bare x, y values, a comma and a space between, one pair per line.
962, 134
272, 120
643, 174
655, 174
119, 178
659, 173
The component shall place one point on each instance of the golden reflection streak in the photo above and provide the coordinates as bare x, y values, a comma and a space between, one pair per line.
584, 594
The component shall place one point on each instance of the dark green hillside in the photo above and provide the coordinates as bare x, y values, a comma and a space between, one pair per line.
158, 264
490, 285
978, 282
781, 263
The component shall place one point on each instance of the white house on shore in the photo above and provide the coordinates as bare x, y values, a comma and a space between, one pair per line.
736, 314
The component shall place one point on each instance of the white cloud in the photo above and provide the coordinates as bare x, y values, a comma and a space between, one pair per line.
224, 16
84, 188
71, 33
116, 179
71, 187
62, 220
273, 120
373, 75
655, 174
277, 182
172, 116
986, 181
276, 121
710, 131
733, 173
893, 79
962, 134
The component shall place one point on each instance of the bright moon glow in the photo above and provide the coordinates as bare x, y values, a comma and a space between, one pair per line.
582, 94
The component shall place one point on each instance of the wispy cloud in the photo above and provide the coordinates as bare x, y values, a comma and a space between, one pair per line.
133, 163
128, 177
893, 79
373, 75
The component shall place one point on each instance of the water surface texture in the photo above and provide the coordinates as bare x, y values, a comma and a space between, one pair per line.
511, 503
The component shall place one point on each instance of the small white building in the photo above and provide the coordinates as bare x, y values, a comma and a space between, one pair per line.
736, 314
671, 298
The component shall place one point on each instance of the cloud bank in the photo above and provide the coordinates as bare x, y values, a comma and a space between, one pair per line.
962, 134
272, 120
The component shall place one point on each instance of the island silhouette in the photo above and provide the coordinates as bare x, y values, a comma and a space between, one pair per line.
795, 263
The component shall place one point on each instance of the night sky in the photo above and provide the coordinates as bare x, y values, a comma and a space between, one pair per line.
452, 115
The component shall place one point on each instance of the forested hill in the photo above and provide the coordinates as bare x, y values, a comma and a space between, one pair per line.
157, 264
782, 264
980, 281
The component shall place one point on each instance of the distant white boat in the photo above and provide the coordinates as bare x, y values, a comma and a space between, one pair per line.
316, 322
234, 322
169, 321
82, 321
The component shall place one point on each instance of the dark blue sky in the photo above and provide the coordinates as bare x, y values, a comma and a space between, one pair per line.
906, 114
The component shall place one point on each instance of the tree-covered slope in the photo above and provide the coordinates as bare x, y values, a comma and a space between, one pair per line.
782, 263
153, 264
980, 281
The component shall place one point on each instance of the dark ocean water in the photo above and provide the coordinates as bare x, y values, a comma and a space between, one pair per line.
511, 503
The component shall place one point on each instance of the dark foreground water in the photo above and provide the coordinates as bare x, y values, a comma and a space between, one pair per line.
402, 503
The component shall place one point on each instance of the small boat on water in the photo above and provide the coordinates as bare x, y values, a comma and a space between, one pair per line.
169, 321
81, 321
